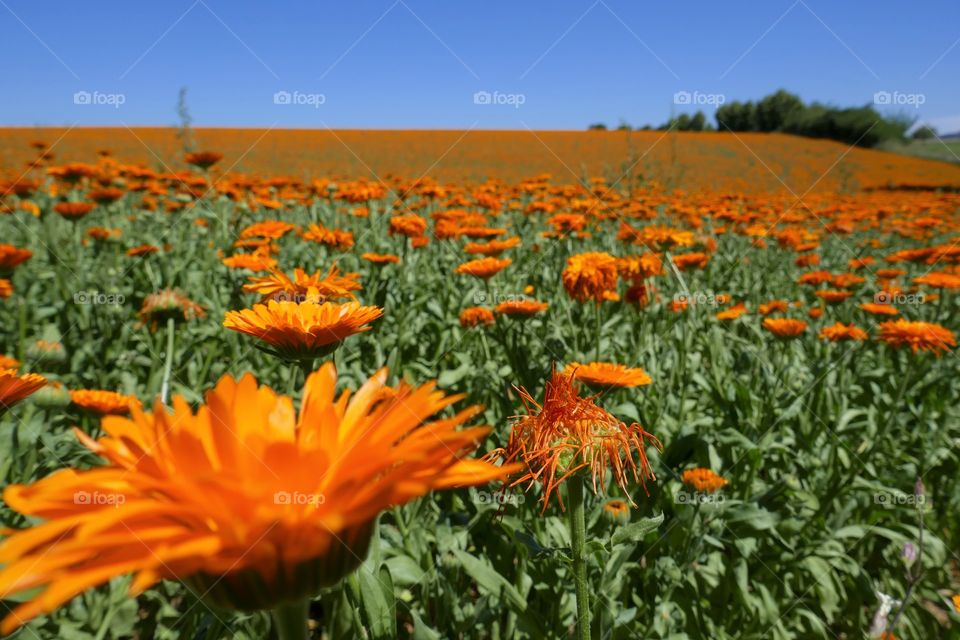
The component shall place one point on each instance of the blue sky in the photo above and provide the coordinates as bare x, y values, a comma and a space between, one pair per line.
419, 63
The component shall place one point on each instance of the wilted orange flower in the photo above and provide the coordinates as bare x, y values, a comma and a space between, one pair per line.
142, 250
840, 332
569, 434
606, 375
473, 316
521, 308
14, 387
11, 256
380, 258
302, 331
703, 480
73, 210
303, 287
244, 491
939, 280
833, 296
162, 305
588, 276
103, 402
732, 313
785, 327
410, 225
879, 309
773, 306
203, 159
685, 261
484, 267
919, 336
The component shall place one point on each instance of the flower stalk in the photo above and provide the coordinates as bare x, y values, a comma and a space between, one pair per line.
290, 620
578, 543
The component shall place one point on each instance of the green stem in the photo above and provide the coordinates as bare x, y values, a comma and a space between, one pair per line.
290, 620
599, 330
168, 363
578, 535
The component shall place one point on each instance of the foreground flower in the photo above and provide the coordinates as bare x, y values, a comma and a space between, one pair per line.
919, 336
302, 331
14, 387
703, 480
785, 327
246, 501
588, 276
606, 375
568, 434
840, 332
103, 402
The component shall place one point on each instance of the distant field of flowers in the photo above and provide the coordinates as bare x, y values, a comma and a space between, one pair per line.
664, 405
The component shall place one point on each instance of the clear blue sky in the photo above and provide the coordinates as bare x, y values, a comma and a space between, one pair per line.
418, 63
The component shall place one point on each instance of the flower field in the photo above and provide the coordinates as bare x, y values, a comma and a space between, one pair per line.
714, 397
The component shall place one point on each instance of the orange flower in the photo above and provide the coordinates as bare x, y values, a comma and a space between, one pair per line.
605, 375
269, 229
617, 510
832, 296
840, 332
939, 280
243, 492
105, 196
474, 316
492, 248
73, 210
302, 331
102, 233
588, 276
11, 256
521, 308
484, 267
14, 387
635, 268
785, 327
569, 434
919, 336
380, 258
142, 250
103, 402
879, 309
685, 261
6, 288
203, 159
815, 278
773, 306
8, 362
305, 288
703, 480
733, 312
335, 238
409, 225
252, 261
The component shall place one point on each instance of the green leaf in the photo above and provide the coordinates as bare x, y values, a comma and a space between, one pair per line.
489, 580
636, 531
